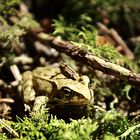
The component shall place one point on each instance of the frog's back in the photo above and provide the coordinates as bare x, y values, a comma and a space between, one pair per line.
46, 72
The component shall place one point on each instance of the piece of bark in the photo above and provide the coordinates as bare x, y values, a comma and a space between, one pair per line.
85, 57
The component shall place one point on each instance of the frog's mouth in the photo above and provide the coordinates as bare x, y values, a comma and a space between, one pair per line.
74, 101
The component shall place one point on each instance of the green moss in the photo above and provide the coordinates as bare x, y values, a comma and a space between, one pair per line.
114, 12
7, 6
108, 125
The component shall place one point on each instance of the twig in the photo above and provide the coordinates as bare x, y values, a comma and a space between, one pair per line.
88, 58
135, 40
24, 59
6, 100
2, 61
9, 129
118, 40
16, 72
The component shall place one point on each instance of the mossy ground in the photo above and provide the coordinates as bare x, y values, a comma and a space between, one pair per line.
115, 112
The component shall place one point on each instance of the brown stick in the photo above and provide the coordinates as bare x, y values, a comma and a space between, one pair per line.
6, 100
88, 58
118, 40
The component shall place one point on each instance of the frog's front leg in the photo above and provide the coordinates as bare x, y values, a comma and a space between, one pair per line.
28, 93
39, 102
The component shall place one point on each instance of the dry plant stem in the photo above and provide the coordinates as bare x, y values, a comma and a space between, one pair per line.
16, 72
83, 56
120, 41
135, 39
9, 129
116, 37
6, 100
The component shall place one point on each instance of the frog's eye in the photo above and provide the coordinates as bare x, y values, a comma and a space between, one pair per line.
68, 92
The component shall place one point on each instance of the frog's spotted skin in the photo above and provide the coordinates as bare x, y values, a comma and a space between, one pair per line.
49, 82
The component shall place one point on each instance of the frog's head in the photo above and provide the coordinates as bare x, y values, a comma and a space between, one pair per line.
74, 92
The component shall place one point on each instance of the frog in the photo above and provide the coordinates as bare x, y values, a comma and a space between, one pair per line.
59, 86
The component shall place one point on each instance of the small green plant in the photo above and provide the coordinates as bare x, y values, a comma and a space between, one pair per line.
7, 6
43, 126
11, 33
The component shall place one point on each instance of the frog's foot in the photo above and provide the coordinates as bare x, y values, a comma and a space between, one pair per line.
39, 102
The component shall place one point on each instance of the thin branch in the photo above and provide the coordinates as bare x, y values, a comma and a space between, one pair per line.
6, 100
9, 129
16, 73
118, 40
88, 58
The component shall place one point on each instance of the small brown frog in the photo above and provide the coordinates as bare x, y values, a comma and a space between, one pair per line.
60, 86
